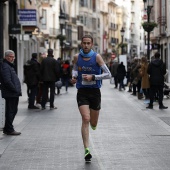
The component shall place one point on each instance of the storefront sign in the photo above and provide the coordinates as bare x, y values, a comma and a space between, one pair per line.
27, 17
14, 29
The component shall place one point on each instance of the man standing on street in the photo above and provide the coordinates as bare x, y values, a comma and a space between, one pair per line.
11, 90
49, 73
156, 70
114, 71
32, 78
87, 76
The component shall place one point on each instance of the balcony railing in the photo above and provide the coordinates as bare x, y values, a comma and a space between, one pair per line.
113, 26
54, 32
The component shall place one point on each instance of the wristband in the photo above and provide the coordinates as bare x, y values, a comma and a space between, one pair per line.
93, 77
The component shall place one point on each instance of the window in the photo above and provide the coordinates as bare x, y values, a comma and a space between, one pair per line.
84, 3
94, 5
94, 23
44, 19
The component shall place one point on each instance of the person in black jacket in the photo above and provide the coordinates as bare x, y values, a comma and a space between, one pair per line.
156, 70
32, 78
49, 73
10, 90
121, 73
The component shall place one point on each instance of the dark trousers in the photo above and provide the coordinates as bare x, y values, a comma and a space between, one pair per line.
153, 90
116, 81
121, 84
48, 85
65, 81
32, 95
11, 110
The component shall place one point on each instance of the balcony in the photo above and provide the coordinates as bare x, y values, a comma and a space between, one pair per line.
113, 26
162, 25
53, 32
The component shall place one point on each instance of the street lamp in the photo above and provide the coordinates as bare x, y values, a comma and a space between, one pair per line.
148, 4
122, 31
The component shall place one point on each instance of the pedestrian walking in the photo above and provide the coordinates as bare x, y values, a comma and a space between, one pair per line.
145, 85
66, 74
32, 78
49, 72
121, 73
10, 90
114, 71
87, 76
156, 70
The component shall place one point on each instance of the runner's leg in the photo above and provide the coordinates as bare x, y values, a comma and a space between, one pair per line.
94, 116
85, 113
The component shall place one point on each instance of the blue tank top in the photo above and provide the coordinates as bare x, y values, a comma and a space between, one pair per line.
87, 67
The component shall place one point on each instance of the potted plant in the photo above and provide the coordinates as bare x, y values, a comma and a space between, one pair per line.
61, 38
149, 26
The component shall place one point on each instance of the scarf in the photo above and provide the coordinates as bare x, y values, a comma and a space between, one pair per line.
88, 55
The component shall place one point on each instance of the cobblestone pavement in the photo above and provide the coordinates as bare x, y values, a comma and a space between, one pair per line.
128, 136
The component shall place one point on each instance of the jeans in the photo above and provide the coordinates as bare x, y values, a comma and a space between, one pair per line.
65, 81
32, 95
11, 109
48, 85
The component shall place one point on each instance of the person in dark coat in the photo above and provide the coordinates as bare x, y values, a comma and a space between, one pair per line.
156, 70
114, 71
49, 73
121, 73
10, 90
32, 78
66, 74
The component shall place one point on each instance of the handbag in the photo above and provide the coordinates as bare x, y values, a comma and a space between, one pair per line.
112, 80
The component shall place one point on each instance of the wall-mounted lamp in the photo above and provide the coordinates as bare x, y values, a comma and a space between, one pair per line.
37, 33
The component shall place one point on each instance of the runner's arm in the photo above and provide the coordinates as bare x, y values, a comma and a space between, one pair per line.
106, 72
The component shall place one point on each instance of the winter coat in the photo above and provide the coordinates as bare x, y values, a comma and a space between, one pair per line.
121, 72
114, 69
156, 70
10, 83
49, 69
32, 72
145, 77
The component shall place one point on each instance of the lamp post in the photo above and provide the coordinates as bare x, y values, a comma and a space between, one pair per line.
148, 4
122, 31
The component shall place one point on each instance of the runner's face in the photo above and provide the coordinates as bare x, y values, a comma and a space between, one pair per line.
86, 45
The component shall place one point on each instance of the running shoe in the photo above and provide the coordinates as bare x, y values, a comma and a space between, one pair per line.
88, 155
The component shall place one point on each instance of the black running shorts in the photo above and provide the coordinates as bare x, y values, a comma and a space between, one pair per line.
89, 96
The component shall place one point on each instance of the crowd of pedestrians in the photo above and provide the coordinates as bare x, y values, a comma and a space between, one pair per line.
42, 77
144, 79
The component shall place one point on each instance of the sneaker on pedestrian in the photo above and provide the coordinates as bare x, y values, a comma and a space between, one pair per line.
43, 108
51, 108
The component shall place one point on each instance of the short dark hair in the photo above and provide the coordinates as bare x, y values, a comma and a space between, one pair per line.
50, 51
87, 36
34, 55
157, 55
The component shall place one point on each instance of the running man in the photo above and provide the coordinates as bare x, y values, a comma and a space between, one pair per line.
86, 73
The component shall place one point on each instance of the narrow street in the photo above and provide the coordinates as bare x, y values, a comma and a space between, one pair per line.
128, 136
